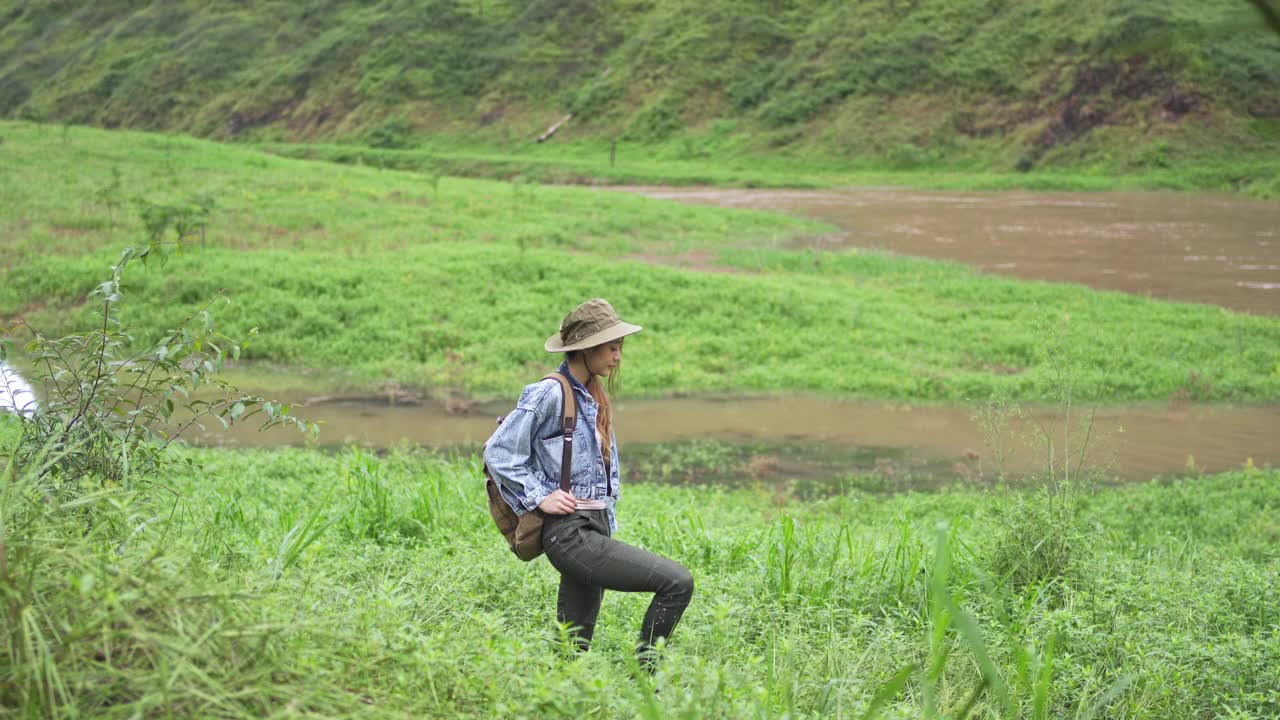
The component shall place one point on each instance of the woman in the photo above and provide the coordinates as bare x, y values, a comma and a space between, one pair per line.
523, 457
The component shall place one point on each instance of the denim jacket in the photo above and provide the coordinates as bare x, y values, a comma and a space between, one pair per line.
523, 455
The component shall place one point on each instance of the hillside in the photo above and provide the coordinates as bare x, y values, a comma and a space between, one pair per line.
982, 85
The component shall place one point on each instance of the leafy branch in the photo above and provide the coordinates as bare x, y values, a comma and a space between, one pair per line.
112, 405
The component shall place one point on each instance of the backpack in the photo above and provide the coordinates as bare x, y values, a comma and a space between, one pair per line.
524, 532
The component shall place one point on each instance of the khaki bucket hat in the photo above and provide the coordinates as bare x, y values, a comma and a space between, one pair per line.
592, 323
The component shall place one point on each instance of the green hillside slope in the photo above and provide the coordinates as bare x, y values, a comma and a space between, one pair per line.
1105, 85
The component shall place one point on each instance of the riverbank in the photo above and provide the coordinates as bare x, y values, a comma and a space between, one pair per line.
437, 283
699, 162
296, 582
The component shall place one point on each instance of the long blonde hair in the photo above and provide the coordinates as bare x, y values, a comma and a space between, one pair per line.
604, 418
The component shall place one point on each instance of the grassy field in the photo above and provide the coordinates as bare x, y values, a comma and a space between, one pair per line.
300, 584
297, 583
702, 161
452, 284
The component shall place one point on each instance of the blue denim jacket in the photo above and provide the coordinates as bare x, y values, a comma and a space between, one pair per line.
523, 455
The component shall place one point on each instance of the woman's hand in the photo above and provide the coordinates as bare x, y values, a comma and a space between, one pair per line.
558, 503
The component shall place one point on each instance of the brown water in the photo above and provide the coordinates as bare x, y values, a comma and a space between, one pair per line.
1178, 246
1134, 442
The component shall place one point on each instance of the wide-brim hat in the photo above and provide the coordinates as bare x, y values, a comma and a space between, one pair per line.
592, 323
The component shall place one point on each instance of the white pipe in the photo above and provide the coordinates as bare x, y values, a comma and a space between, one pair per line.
15, 393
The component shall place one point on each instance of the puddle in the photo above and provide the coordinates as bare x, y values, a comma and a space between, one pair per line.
811, 436
1176, 246
799, 437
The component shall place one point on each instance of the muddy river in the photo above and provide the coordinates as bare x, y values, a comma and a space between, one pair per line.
1130, 442
1197, 248
812, 437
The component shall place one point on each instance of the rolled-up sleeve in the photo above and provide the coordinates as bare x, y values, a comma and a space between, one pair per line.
509, 456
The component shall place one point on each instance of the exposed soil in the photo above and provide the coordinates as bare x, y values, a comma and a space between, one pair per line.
700, 260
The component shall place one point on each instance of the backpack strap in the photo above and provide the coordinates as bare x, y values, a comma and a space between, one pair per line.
568, 419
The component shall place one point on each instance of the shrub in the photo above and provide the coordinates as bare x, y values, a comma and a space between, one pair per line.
1042, 542
390, 134
110, 408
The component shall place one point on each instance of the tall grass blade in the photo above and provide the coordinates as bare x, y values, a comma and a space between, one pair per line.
888, 691
1117, 688
303, 533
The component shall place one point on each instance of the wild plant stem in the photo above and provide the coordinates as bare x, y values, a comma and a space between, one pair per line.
102, 352
1088, 435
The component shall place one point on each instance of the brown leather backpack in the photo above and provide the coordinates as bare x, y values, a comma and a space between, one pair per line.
524, 532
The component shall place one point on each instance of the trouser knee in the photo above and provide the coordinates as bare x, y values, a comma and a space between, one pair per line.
679, 585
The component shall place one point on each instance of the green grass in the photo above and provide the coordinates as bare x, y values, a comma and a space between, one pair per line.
71, 190
455, 284
295, 583
698, 161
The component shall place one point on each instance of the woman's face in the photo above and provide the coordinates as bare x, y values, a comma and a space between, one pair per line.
604, 359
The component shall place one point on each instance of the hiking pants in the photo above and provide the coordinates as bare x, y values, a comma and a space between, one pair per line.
590, 562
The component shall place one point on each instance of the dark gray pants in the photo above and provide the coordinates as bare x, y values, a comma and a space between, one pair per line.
590, 562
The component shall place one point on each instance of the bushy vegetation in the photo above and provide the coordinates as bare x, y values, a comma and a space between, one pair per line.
1186, 89
295, 583
437, 284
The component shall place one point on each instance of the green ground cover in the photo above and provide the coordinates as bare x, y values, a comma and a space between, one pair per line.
300, 584
1123, 93
699, 162
296, 583
452, 284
